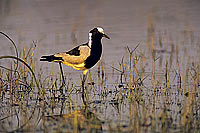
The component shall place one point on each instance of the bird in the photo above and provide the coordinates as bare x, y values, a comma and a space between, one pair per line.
84, 56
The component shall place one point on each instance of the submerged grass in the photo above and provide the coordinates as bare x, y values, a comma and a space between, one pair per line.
151, 90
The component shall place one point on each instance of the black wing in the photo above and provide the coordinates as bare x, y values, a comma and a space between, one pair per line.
75, 51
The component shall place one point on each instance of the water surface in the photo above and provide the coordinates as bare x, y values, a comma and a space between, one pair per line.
58, 25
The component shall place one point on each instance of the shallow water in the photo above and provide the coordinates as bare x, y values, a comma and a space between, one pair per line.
56, 26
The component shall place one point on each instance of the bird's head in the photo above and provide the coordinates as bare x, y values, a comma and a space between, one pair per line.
98, 33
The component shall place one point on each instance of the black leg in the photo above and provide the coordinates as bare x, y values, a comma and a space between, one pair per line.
83, 87
63, 83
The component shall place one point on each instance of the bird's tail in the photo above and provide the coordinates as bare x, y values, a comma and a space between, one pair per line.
51, 58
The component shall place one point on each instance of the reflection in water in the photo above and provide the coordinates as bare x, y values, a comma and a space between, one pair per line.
77, 121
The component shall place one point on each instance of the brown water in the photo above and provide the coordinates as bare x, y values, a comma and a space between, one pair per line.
58, 25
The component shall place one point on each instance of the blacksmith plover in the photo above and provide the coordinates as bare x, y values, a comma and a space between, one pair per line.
84, 56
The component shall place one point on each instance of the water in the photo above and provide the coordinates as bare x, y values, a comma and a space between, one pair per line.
56, 26
59, 26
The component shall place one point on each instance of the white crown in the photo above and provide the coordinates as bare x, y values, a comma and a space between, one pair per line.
100, 30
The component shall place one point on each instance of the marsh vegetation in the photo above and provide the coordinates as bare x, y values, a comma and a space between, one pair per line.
149, 90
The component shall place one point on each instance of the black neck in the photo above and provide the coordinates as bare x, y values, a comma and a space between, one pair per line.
95, 55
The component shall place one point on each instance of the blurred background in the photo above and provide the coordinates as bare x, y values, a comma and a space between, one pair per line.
58, 25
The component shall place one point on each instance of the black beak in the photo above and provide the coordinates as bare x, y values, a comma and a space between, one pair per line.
104, 35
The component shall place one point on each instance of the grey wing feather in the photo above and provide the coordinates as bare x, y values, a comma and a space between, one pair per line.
75, 59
